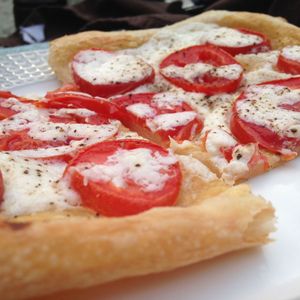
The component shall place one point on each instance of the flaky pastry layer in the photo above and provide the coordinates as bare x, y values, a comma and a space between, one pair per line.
40, 257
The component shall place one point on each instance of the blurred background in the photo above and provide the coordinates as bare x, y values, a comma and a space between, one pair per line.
7, 24
32, 21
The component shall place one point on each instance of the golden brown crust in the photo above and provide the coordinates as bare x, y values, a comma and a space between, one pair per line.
42, 257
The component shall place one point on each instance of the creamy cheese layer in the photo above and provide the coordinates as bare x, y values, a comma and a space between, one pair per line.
145, 168
141, 110
239, 165
167, 100
292, 53
229, 37
216, 140
196, 71
260, 67
16, 105
37, 123
100, 67
171, 121
32, 186
263, 105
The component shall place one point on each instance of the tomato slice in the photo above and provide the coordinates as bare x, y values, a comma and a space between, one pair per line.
20, 140
268, 114
103, 73
75, 100
159, 116
53, 133
289, 60
259, 43
203, 69
65, 88
9, 107
125, 177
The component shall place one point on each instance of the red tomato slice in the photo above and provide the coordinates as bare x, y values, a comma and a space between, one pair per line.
65, 88
6, 94
143, 112
292, 83
247, 132
103, 73
288, 65
263, 46
7, 111
20, 140
101, 106
132, 196
14, 140
202, 69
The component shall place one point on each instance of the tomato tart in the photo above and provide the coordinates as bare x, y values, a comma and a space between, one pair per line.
134, 165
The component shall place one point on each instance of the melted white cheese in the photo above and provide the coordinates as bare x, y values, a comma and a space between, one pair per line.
229, 37
262, 106
37, 123
167, 100
100, 67
238, 166
219, 115
192, 72
32, 186
260, 67
171, 121
145, 168
81, 112
291, 52
16, 105
141, 110
198, 101
215, 140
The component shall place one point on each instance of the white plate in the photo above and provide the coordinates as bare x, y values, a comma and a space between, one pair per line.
271, 272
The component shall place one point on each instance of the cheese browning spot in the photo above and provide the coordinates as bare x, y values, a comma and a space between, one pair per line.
141, 166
